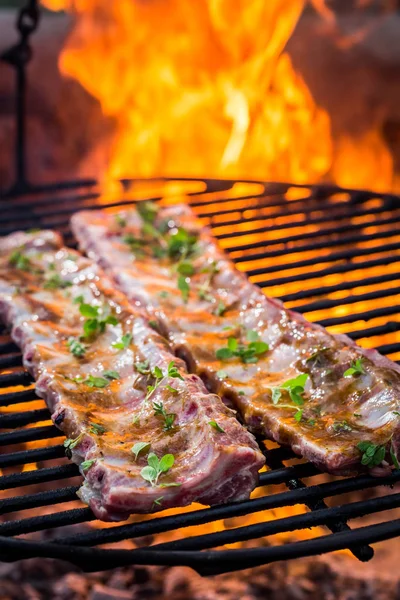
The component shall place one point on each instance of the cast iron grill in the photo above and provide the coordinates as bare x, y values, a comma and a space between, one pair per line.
329, 253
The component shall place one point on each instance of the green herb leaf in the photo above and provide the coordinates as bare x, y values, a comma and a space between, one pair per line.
125, 342
276, 395
147, 210
181, 244
220, 309
20, 261
173, 371
340, 426
166, 462
96, 428
120, 220
87, 310
157, 372
252, 335
185, 268
111, 374
149, 474
168, 418
298, 415
222, 374
217, 427
396, 412
247, 354
184, 287
86, 464
294, 387
70, 444
143, 367
153, 324
78, 299
224, 353
140, 448
96, 382
372, 454
76, 348
171, 389
171, 484
56, 282
355, 369
156, 467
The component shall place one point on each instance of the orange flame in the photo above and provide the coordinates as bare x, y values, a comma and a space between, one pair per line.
197, 88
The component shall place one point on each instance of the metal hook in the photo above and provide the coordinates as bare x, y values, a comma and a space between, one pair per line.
18, 57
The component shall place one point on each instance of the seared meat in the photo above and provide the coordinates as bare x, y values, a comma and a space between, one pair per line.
331, 401
146, 434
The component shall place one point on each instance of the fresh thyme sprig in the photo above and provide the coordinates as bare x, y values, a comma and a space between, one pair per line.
168, 418
372, 454
159, 377
356, 368
96, 318
294, 387
124, 343
20, 261
55, 282
156, 467
76, 347
249, 353
140, 448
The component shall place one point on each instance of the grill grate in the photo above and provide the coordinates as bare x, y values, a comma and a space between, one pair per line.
329, 253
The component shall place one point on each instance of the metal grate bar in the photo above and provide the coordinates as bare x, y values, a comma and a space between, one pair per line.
20, 378
38, 476
289, 249
18, 397
206, 563
309, 222
24, 526
346, 255
334, 270
12, 420
334, 212
30, 456
226, 511
364, 316
363, 553
325, 516
390, 327
319, 233
333, 303
41, 499
344, 286
29, 435
10, 360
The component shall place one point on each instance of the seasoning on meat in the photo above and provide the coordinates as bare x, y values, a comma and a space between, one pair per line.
137, 422
331, 401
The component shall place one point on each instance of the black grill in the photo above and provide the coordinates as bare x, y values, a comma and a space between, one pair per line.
331, 254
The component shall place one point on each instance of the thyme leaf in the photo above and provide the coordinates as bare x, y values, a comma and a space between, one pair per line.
355, 369
156, 467
217, 427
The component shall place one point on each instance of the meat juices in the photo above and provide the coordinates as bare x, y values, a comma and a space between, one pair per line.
334, 403
94, 357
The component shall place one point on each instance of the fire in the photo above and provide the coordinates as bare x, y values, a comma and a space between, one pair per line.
205, 88
197, 88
